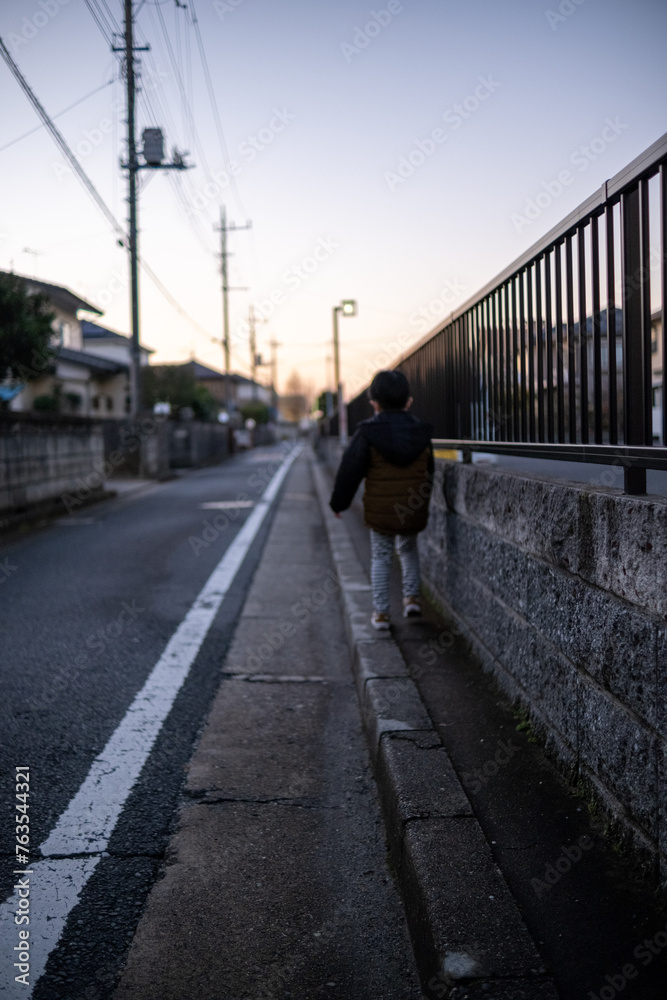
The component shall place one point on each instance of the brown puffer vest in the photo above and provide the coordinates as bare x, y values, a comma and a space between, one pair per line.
396, 497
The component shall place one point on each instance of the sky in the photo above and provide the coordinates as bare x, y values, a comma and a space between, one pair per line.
383, 152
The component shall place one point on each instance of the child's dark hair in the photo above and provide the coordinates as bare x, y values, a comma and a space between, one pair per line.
390, 389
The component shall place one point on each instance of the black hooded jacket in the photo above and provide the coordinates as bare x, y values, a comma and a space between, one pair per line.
393, 452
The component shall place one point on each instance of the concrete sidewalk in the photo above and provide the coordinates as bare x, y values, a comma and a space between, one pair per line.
277, 882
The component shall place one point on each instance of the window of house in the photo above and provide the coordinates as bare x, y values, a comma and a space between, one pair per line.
95, 402
109, 404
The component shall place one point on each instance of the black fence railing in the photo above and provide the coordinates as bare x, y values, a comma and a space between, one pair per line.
562, 355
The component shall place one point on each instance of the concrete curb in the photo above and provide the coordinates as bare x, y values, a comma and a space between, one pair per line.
468, 935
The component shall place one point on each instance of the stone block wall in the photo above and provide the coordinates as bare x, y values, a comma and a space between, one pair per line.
562, 591
193, 444
43, 458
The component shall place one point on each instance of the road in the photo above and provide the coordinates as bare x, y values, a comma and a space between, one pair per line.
577, 472
87, 608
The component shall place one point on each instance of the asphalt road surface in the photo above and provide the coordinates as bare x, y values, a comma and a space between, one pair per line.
575, 472
87, 607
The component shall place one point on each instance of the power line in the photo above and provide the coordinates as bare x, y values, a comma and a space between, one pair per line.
58, 115
60, 141
214, 104
209, 84
181, 87
163, 40
83, 177
170, 298
111, 18
88, 184
196, 225
186, 104
100, 22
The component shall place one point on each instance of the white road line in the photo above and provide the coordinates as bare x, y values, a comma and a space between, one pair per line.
84, 828
227, 504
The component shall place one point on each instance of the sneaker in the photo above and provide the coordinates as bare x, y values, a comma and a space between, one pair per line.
411, 607
380, 621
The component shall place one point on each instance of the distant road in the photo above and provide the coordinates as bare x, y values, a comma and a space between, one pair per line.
580, 472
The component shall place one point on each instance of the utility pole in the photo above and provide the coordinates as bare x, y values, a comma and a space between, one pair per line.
224, 254
255, 359
348, 307
132, 167
274, 369
153, 156
253, 349
328, 395
225, 295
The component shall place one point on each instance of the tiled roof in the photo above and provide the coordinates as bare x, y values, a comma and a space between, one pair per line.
103, 366
58, 294
92, 331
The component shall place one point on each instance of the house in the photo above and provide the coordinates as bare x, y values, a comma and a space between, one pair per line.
110, 398
89, 372
230, 390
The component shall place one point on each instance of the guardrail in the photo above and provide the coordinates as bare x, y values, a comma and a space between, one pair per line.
562, 355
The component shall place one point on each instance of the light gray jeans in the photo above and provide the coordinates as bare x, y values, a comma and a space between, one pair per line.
382, 550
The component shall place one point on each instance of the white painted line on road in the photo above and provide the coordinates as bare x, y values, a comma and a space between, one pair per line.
55, 886
226, 504
88, 821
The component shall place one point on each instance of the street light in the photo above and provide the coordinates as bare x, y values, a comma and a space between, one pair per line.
348, 307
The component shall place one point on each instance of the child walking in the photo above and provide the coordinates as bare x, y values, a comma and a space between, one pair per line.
392, 451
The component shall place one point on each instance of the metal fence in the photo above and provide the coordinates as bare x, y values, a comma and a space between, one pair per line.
562, 355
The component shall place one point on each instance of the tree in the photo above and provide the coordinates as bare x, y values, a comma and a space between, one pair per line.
259, 412
26, 333
173, 384
295, 402
176, 384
